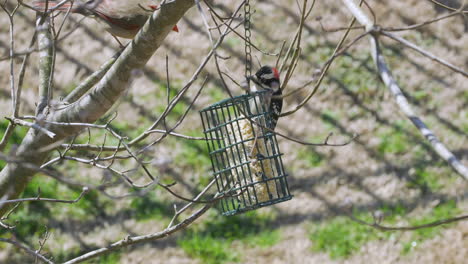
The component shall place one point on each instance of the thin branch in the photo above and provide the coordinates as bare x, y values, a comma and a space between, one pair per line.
179, 212
335, 29
14, 98
8, 132
31, 252
224, 23
324, 71
376, 225
422, 24
131, 240
7, 215
12, 52
297, 52
21, 75
425, 53
189, 83
264, 128
179, 121
32, 125
194, 200
448, 7
39, 198
42, 243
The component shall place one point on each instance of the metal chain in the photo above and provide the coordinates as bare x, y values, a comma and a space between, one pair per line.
248, 49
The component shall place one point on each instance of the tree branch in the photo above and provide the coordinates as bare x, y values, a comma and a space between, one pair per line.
89, 108
45, 46
390, 82
25, 248
129, 240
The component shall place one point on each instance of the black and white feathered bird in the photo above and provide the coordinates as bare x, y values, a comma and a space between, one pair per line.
267, 78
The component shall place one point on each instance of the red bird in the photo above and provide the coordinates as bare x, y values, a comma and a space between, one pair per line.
121, 18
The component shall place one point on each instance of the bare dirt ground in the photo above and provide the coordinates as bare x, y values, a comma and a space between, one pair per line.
365, 174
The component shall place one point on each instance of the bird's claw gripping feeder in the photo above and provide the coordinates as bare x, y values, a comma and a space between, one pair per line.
244, 153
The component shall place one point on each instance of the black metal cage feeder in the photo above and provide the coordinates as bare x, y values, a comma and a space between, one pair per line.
246, 160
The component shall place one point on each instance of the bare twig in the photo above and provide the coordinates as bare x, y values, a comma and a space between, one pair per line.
8, 132
51, 200
31, 252
14, 93
32, 125
179, 121
131, 240
6, 216
376, 224
176, 99
179, 212
10, 15
448, 7
425, 53
323, 72
422, 24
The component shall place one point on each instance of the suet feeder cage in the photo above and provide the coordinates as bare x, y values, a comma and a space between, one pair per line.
244, 154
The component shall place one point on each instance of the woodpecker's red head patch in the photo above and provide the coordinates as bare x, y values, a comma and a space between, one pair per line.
276, 73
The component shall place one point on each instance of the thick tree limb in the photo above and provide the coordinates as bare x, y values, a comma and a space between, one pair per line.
87, 84
405, 107
45, 45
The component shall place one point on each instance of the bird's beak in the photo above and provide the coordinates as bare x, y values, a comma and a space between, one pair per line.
175, 28
253, 78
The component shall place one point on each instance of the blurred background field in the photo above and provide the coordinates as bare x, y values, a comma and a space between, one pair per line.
389, 168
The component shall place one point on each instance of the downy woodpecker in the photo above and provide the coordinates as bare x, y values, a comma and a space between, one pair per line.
267, 78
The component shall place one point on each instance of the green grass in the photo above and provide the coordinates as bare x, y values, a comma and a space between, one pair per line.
212, 241
341, 237
216, 94
232, 42
330, 118
393, 143
192, 153
312, 157
440, 212
349, 71
427, 178
208, 249
423, 95
395, 140
150, 207
112, 258
464, 122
